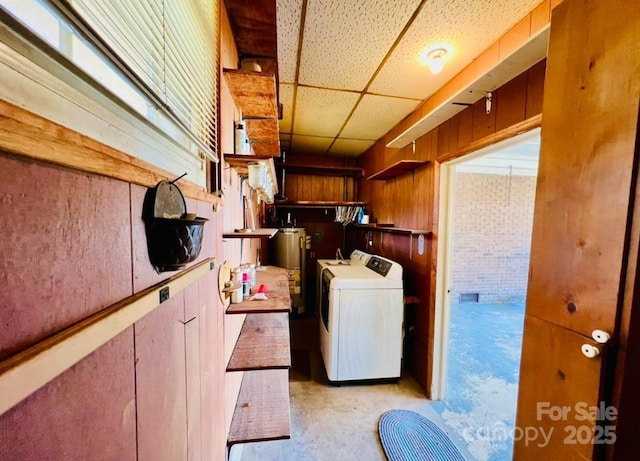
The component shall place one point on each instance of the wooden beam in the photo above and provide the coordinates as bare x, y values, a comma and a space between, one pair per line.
29, 135
31, 369
514, 130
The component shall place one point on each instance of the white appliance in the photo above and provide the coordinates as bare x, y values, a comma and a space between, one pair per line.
288, 248
357, 258
361, 315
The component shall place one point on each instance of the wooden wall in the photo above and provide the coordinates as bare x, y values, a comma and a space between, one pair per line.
79, 246
411, 200
74, 243
312, 187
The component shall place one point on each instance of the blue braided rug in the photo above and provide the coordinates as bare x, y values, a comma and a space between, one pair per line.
408, 436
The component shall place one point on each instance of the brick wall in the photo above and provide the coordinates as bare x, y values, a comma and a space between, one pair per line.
493, 217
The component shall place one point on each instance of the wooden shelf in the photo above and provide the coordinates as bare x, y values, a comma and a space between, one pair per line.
391, 230
316, 204
263, 232
254, 93
399, 168
240, 163
276, 281
262, 411
296, 168
263, 343
255, 96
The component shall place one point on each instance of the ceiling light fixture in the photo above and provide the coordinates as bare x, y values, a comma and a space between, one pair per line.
435, 60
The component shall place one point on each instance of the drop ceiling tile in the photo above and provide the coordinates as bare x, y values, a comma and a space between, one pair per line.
350, 147
288, 13
312, 145
468, 27
285, 95
375, 115
344, 41
322, 112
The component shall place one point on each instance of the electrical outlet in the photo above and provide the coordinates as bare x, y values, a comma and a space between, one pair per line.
164, 294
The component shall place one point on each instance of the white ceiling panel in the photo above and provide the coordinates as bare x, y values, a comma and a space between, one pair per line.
375, 115
350, 147
322, 112
289, 14
286, 99
312, 145
467, 26
345, 41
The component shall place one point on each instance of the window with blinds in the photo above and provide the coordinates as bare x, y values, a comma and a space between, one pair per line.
160, 57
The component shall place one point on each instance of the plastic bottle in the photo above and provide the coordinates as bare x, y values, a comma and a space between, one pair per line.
246, 284
241, 139
252, 275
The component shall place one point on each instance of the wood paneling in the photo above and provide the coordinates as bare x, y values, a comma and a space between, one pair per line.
254, 27
551, 355
88, 412
411, 200
161, 383
193, 375
535, 89
212, 361
484, 124
514, 111
65, 252
587, 176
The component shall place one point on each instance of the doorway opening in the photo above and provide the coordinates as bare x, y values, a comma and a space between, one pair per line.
487, 201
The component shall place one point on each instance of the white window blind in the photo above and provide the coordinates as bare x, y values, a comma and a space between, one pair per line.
170, 46
165, 53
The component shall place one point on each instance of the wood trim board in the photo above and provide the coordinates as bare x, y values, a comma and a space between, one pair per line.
26, 134
29, 370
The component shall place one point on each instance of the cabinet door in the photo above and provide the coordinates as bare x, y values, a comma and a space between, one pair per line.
160, 383
582, 218
192, 369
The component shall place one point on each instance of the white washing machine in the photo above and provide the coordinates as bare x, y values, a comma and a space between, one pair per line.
357, 258
361, 316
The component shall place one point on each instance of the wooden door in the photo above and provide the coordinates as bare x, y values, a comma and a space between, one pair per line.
583, 214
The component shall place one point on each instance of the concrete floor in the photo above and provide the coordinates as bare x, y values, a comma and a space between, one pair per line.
330, 422
485, 342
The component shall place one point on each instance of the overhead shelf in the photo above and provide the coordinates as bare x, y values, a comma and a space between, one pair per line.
399, 168
316, 204
391, 229
263, 343
255, 96
254, 93
296, 168
276, 281
251, 234
262, 410
241, 164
